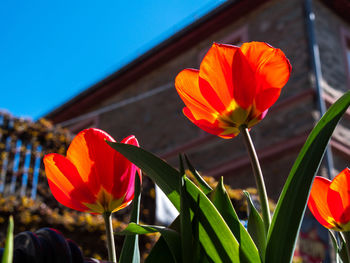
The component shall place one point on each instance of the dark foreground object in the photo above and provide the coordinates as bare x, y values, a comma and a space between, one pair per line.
46, 245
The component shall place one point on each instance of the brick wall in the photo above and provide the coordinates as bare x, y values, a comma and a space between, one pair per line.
158, 122
328, 33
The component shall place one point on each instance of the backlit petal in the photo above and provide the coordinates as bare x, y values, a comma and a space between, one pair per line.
318, 204
212, 128
244, 82
124, 173
215, 76
338, 197
234, 86
93, 177
272, 70
70, 191
186, 84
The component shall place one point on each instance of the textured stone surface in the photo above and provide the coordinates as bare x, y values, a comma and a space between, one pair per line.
160, 126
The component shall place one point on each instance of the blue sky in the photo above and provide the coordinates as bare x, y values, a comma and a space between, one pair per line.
50, 51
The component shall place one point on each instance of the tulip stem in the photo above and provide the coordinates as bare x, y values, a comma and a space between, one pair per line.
259, 179
107, 216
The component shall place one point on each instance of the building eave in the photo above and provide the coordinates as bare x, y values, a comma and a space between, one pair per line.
180, 42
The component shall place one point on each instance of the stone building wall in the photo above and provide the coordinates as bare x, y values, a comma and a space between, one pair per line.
329, 34
329, 29
151, 109
158, 122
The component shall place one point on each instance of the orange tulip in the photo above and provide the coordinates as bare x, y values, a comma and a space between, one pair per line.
234, 86
93, 177
329, 201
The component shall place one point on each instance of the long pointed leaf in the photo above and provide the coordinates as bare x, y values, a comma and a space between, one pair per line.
8, 252
186, 226
130, 251
167, 178
222, 245
160, 253
202, 184
256, 227
291, 205
223, 204
171, 237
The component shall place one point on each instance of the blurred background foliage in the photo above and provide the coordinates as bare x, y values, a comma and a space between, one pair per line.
85, 229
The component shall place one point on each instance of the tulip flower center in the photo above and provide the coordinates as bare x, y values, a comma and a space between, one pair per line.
105, 202
233, 117
339, 226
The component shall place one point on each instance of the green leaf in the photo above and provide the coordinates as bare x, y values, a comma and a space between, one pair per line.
160, 253
201, 182
134, 228
342, 250
181, 165
130, 251
223, 204
186, 227
219, 244
165, 176
256, 227
198, 254
214, 234
8, 252
335, 246
291, 205
171, 237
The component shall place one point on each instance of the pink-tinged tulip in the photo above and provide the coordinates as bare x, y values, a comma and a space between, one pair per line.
93, 177
329, 201
234, 87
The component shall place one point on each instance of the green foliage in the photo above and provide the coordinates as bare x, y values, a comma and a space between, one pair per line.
171, 237
201, 182
165, 176
214, 222
221, 247
291, 205
185, 225
8, 252
223, 203
256, 227
130, 251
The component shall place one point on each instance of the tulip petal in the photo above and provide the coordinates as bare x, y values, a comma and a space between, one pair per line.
318, 204
124, 173
93, 158
64, 198
234, 86
70, 191
215, 76
186, 84
244, 82
338, 197
212, 128
93, 177
272, 70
